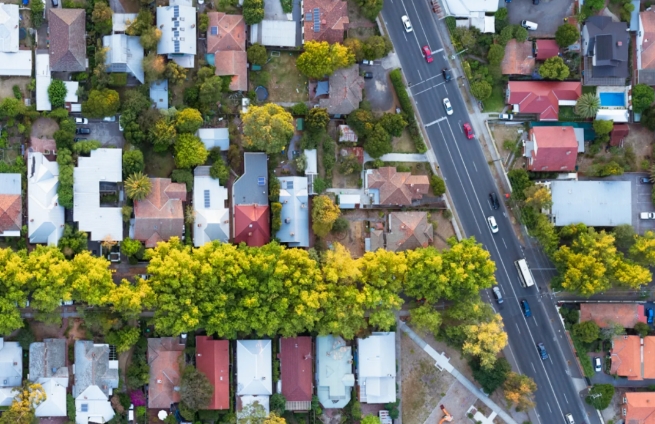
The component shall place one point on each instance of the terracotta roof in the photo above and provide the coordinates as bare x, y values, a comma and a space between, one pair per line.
542, 97
397, 188
230, 33
333, 18
11, 208
252, 225
606, 314
556, 149
233, 63
345, 92
649, 354
547, 49
160, 216
163, 356
296, 367
409, 230
67, 39
518, 58
213, 360
619, 132
626, 357
648, 40
640, 408
41, 145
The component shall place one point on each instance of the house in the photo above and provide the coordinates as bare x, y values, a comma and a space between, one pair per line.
478, 20
177, 23
350, 201
294, 198
551, 149
296, 364
11, 370
347, 134
46, 146
407, 231
45, 216
211, 215
13, 61
95, 175
546, 48
471, 13
593, 203
213, 360
250, 202
638, 408
275, 33
121, 21
542, 98
67, 40
159, 93
43, 80
390, 187
519, 59
618, 134
124, 54
645, 50
163, 358
254, 368
48, 368
345, 91
311, 170
606, 314
96, 376
214, 138
632, 357
160, 215
11, 205
226, 40
605, 46
376, 368
324, 20
334, 372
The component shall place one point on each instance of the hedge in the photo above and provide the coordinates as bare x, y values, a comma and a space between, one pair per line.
406, 106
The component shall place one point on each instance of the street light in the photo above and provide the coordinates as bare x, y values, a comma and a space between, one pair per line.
457, 54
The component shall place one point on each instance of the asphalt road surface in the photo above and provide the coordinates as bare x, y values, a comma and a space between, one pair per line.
469, 182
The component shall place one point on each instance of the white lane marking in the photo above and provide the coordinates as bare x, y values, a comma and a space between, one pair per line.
427, 89
426, 80
535, 370
519, 330
420, 24
475, 166
567, 399
443, 118
437, 51
551, 411
504, 242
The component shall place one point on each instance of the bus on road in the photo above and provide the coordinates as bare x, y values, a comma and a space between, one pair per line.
525, 275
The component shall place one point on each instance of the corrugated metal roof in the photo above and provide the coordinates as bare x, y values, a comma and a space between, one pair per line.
254, 367
334, 373
211, 222
43, 80
295, 211
376, 368
593, 203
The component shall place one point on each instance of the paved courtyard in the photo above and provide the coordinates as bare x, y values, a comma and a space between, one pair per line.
548, 14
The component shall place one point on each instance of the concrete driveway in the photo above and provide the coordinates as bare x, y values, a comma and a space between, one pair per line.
548, 14
378, 89
105, 132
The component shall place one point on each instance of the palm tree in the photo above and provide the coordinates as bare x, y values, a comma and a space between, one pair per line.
587, 105
137, 186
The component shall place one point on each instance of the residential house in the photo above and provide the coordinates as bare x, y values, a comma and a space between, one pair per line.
605, 46
48, 368
345, 91
11, 370
294, 198
11, 205
519, 59
390, 187
226, 40
43, 80
211, 213
546, 48
13, 61
593, 203
275, 33
334, 372
542, 98
44, 145
95, 175
213, 360
376, 368
296, 365
45, 216
214, 138
164, 361
159, 94
177, 23
551, 149
124, 54
632, 357
645, 50
325, 20
638, 408
346, 134
121, 21
67, 40
254, 378
607, 314
250, 202
406, 231
471, 13
618, 134
96, 376
160, 215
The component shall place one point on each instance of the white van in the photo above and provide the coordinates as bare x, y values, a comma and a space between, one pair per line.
530, 26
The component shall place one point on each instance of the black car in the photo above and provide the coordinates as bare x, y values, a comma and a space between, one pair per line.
368, 75
542, 351
493, 199
446, 74
83, 130
535, 2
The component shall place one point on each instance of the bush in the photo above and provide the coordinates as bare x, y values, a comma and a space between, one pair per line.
340, 225
17, 94
299, 109
438, 185
276, 218
406, 106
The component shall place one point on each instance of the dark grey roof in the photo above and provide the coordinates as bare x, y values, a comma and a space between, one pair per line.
609, 41
604, 51
48, 359
252, 187
93, 368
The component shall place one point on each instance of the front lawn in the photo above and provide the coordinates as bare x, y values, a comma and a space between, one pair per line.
496, 102
280, 76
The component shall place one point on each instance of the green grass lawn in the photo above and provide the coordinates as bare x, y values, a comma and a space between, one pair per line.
283, 81
496, 102
158, 165
588, 89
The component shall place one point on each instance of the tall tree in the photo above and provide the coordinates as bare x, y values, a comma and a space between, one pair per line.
195, 389
57, 93
253, 11
138, 186
382, 275
267, 128
162, 134
587, 105
538, 197
324, 213
485, 341
102, 17
519, 389
378, 142
643, 248
49, 280
566, 35
22, 408
321, 58
188, 120
554, 68
132, 162
101, 103
14, 280
257, 54
643, 97
189, 151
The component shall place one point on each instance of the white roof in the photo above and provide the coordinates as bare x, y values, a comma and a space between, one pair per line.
274, 33
11, 364
71, 91
593, 203
348, 201
312, 162
214, 137
376, 368
125, 55
16, 64
616, 115
294, 198
178, 25
92, 406
7, 395
120, 21
9, 28
254, 367
45, 216
334, 376
55, 403
104, 165
43, 80
463, 8
212, 218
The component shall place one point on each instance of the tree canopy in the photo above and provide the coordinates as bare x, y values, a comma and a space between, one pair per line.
57, 93
267, 128
324, 213
643, 96
554, 68
321, 58
189, 151
101, 103
566, 35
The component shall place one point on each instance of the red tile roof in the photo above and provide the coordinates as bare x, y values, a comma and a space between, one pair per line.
296, 367
518, 58
163, 356
213, 360
606, 314
626, 357
640, 408
542, 97
547, 49
252, 225
397, 188
619, 133
160, 216
11, 208
648, 40
649, 354
333, 18
556, 149
235, 64
228, 45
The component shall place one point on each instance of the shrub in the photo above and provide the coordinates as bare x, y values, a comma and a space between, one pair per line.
438, 185
299, 109
17, 94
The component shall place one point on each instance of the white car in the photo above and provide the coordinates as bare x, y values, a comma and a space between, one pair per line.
407, 24
492, 224
109, 119
81, 121
598, 367
447, 106
506, 116
569, 419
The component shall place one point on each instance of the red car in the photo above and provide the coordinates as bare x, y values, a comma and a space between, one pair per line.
468, 131
427, 53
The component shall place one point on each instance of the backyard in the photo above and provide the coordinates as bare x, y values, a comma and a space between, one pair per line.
360, 26
281, 78
158, 165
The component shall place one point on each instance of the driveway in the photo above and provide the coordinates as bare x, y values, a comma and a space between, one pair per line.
548, 14
106, 132
378, 89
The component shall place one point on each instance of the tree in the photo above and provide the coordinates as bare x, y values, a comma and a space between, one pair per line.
606, 392
278, 404
162, 134
602, 128
566, 35
554, 68
321, 58
349, 165
130, 247
36, 13
85, 147
370, 419
188, 120
465, 36
126, 212
642, 329
195, 389
124, 338
153, 66
361, 121
520, 34
393, 123
21, 410
102, 17
587, 105
481, 90
257, 54
376, 47
371, 8
496, 54
149, 39
72, 241
624, 236
643, 248
485, 340
426, 318
317, 119
642, 97
57, 93
209, 91
253, 413
506, 34
189, 151
143, 21
219, 171
490, 378
356, 47
133, 162
101, 103
378, 142
538, 197
253, 11
203, 23
138, 186
438, 185
267, 128
324, 213
518, 391
11, 107
586, 331
174, 73
648, 118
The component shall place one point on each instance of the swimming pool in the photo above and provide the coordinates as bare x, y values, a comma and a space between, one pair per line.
612, 99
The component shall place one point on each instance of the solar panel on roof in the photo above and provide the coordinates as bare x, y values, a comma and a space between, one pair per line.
214, 30
206, 192
309, 16
317, 20
176, 11
261, 181
176, 44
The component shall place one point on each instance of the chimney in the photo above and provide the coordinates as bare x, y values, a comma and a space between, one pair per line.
158, 381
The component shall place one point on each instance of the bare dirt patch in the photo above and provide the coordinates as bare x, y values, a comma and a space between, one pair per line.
46, 331
7, 84
353, 239
131, 6
443, 230
640, 139
44, 128
501, 133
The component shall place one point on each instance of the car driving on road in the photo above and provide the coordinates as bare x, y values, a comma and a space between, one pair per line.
526, 308
492, 224
447, 106
468, 131
569, 419
542, 351
407, 23
493, 199
427, 53
497, 295
447, 76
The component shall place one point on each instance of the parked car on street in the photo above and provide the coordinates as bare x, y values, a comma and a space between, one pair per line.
649, 315
81, 121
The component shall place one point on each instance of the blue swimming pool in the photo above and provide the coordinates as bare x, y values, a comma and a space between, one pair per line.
612, 99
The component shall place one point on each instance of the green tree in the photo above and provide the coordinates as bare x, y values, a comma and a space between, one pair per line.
643, 96
643, 248
371, 8
393, 123
102, 17
370, 419
162, 134
378, 142
519, 389
425, 318
506, 34
554, 68
72, 241
189, 151
175, 73
602, 128
376, 47
267, 128
586, 331
320, 58
257, 54
496, 54
438, 185
131, 247
203, 22
587, 105
137, 186
149, 39
154, 65
101, 103
188, 120
520, 181
253, 11
23, 406
57, 93
209, 91
481, 90
566, 35
124, 338
648, 118
11, 107
356, 46
133, 162
85, 147
278, 404
361, 121
195, 389
624, 236
490, 378
144, 20
317, 119
520, 34
36, 13
465, 36
219, 171
642, 329
324, 213
606, 392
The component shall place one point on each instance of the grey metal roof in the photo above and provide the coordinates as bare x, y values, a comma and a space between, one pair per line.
634, 15
274, 33
248, 189
212, 217
159, 94
295, 212
593, 203
125, 55
48, 359
646, 76
93, 368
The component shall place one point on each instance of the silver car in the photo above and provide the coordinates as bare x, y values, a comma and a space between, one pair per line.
407, 24
447, 106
